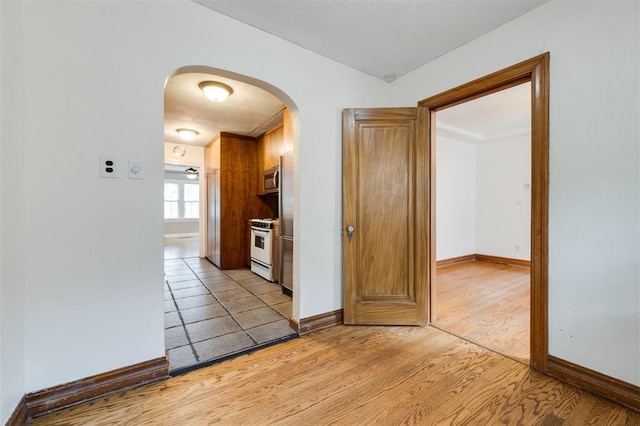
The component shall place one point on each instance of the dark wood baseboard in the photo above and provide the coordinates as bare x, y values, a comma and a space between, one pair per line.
316, 322
611, 388
482, 258
98, 386
19, 416
455, 260
503, 260
294, 325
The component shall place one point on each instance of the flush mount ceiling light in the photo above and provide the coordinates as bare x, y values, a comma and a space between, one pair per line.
187, 134
191, 173
215, 91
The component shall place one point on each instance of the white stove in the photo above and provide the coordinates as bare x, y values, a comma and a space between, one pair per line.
266, 223
262, 247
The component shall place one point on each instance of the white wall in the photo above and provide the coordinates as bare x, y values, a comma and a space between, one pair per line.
193, 155
482, 204
594, 250
181, 228
455, 198
12, 209
94, 283
503, 209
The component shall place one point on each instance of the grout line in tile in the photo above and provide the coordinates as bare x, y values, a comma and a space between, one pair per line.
243, 329
269, 305
221, 304
184, 326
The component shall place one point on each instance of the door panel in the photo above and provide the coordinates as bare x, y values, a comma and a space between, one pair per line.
383, 238
380, 155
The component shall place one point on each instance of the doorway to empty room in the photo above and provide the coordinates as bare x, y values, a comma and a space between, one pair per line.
483, 221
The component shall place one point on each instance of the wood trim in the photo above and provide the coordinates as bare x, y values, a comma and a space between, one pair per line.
455, 260
316, 322
609, 387
19, 416
502, 260
408, 113
481, 258
535, 70
294, 325
540, 212
425, 199
98, 386
236, 136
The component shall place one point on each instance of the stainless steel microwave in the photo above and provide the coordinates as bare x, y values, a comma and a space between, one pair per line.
271, 183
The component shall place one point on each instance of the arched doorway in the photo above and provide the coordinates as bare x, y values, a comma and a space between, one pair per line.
217, 304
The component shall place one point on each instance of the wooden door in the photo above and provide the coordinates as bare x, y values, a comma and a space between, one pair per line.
384, 191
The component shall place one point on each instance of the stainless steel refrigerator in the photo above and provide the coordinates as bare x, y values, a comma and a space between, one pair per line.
286, 222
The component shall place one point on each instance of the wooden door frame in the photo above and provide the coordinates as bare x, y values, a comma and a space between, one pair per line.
536, 71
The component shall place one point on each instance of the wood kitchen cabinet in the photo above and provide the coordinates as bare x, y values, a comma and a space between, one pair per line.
231, 164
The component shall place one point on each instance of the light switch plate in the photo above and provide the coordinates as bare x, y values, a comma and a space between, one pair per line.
136, 169
108, 166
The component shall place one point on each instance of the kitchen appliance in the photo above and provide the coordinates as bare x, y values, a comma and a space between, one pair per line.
286, 222
261, 247
270, 180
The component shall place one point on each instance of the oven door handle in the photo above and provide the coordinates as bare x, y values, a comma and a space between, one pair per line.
260, 231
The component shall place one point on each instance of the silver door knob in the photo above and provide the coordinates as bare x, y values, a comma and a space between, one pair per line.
350, 230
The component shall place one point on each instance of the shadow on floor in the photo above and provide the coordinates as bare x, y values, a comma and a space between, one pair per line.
211, 314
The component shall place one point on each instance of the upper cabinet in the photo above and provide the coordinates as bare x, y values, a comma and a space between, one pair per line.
272, 145
269, 146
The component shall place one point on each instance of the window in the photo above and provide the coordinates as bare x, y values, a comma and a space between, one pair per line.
181, 200
191, 200
171, 200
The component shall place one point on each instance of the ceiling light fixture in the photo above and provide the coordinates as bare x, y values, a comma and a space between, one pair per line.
187, 134
215, 91
191, 173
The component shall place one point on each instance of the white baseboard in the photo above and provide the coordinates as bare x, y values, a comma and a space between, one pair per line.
184, 235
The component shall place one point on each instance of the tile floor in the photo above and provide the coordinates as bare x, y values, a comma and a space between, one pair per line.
212, 314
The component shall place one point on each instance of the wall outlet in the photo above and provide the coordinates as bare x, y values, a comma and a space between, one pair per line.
108, 166
517, 247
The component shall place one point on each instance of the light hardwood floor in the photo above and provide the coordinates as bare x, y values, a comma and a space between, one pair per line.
178, 248
488, 304
356, 375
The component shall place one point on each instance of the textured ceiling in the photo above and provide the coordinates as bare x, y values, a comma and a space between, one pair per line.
501, 114
384, 38
249, 111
